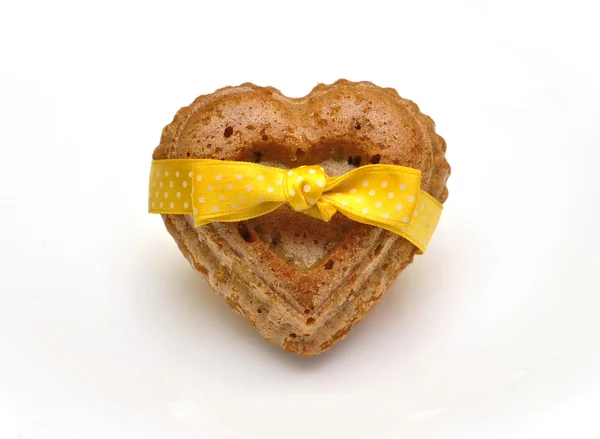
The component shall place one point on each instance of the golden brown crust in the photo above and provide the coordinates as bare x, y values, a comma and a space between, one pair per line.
301, 282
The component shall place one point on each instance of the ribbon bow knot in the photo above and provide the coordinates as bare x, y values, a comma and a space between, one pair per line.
304, 189
386, 196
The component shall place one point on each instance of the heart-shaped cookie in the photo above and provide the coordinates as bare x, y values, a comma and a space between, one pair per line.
302, 282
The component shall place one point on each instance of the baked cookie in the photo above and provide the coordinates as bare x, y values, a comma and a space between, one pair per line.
301, 281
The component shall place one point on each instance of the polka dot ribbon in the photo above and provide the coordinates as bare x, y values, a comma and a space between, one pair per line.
386, 196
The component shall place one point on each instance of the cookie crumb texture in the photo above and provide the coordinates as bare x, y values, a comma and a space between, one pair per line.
301, 282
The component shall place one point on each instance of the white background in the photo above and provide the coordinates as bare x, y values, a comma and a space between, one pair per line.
105, 330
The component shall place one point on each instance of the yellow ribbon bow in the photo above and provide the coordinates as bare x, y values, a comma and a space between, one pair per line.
386, 196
